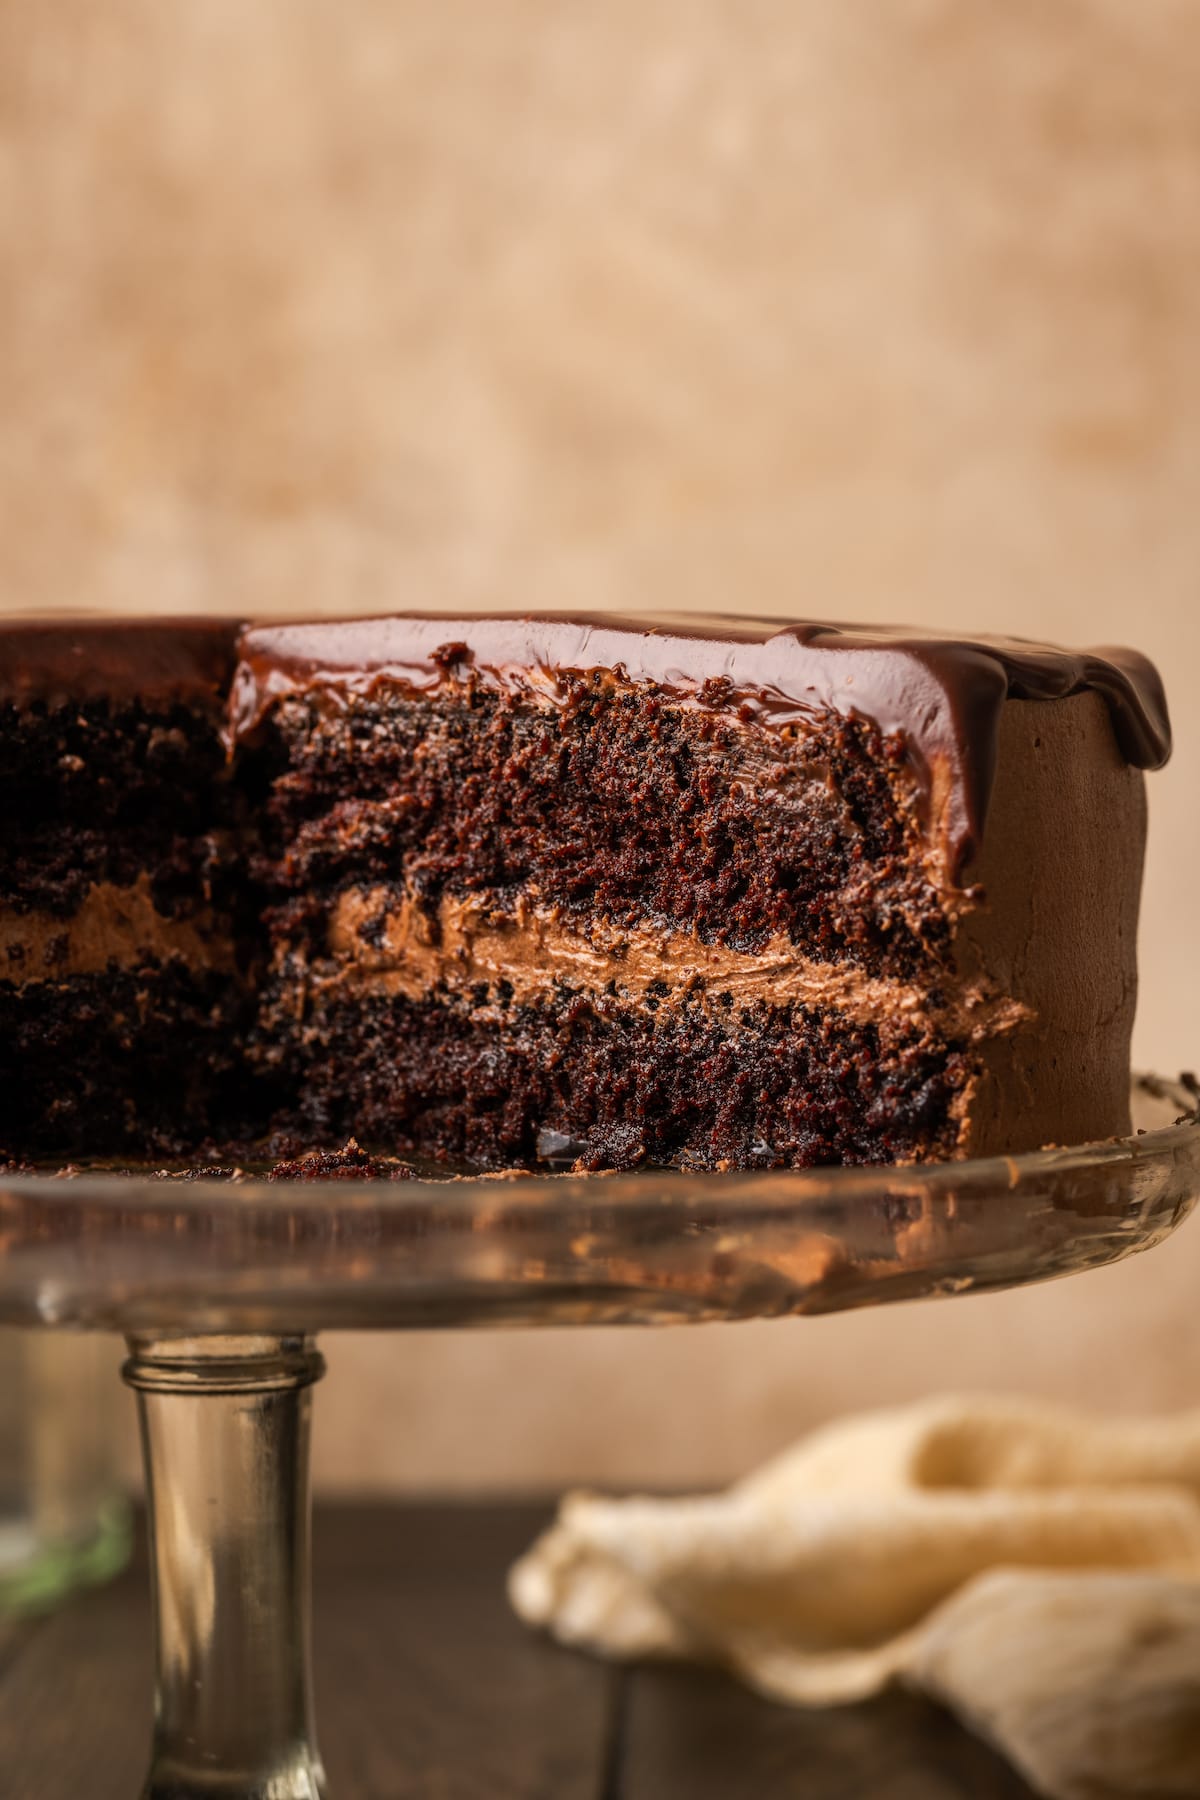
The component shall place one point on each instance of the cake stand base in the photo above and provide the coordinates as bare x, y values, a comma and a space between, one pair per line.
225, 1427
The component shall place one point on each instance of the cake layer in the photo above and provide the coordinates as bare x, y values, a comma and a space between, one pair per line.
112, 760
613, 1084
625, 806
121, 1062
940, 699
99, 794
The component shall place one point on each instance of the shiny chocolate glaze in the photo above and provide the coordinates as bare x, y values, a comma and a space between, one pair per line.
941, 696
156, 661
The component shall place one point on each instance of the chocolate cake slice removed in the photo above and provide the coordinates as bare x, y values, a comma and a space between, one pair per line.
709, 893
119, 1000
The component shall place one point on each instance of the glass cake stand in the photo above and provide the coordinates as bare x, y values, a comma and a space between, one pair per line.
220, 1289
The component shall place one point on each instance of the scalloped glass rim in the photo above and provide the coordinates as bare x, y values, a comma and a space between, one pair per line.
136, 1254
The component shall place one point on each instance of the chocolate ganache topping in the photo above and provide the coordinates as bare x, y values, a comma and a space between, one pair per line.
159, 661
942, 695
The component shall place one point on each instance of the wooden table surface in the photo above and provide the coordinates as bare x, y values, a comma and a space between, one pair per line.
429, 1689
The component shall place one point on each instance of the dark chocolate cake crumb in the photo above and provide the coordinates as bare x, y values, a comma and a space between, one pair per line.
351, 1163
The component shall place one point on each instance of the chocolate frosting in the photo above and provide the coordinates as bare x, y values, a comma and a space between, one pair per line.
942, 695
158, 661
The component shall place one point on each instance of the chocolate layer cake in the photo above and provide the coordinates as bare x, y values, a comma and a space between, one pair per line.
119, 997
710, 893
566, 890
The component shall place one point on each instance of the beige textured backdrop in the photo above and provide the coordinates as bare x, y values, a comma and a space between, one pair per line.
881, 310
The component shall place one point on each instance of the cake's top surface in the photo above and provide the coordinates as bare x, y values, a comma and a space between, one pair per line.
156, 661
942, 694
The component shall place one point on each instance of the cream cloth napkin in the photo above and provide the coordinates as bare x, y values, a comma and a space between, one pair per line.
1036, 1570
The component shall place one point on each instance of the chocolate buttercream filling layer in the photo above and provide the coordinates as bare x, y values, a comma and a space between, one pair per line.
113, 928
942, 697
378, 943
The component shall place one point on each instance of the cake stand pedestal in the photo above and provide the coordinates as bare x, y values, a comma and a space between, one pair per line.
225, 1433
219, 1288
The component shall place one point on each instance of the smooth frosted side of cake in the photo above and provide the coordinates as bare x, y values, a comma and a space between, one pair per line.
1061, 870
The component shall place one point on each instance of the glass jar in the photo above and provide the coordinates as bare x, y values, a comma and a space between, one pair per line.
64, 1512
